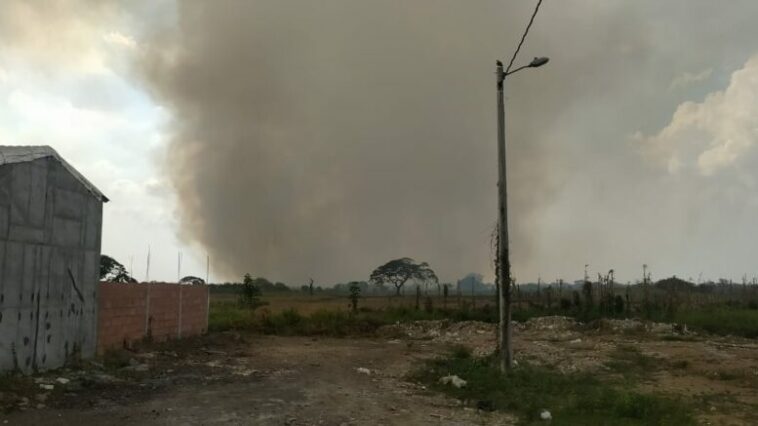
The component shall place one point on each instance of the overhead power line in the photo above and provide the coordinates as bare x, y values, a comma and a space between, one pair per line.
523, 37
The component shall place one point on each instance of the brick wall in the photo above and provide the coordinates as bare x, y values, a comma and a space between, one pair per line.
127, 312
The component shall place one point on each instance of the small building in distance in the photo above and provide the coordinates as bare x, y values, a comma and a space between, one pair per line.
50, 232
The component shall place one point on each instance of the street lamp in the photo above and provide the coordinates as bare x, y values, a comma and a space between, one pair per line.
505, 329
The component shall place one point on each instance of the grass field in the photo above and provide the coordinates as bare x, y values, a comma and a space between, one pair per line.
329, 311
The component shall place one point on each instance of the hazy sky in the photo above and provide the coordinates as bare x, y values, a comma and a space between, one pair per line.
297, 139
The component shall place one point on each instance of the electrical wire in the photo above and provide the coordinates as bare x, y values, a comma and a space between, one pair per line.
523, 37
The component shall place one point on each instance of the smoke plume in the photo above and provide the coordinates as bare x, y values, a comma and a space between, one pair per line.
321, 139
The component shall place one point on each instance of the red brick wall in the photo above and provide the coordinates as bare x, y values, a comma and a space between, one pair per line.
168, 311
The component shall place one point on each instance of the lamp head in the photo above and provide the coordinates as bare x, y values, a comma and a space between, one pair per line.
538, 62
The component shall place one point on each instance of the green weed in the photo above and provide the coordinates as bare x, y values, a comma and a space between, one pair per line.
572, 399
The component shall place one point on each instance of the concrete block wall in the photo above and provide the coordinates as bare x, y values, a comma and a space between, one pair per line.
129, 312
50, 230
194, 309
121, 314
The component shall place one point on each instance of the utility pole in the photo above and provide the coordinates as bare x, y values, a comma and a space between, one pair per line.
504, 265
505, 327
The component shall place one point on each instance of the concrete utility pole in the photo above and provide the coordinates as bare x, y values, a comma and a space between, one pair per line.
504, 265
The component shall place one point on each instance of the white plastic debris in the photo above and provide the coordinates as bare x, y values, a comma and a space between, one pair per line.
575, 341
46, 386
362, 370
453, 380
545, 415
62, 380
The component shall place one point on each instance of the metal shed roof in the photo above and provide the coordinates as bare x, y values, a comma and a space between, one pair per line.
20, 154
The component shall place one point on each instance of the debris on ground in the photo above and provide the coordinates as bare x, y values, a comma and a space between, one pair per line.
553, 323
138, 368
242, 371
453, 380
445, 331
633, 325
363, 370
545, 415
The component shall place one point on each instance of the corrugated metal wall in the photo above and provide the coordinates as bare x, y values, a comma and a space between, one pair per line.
50, 231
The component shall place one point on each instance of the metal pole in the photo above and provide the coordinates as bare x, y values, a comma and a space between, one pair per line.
506, 330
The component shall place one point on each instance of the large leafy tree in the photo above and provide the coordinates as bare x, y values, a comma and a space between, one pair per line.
397, 272
113, 271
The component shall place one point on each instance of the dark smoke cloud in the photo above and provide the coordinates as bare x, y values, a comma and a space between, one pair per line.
324, 138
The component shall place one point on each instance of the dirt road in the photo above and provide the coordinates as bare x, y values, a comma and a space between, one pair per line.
267, 380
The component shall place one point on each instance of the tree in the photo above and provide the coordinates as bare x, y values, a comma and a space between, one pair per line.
189, 279
355, 294
397, 272
250, 293
113, 271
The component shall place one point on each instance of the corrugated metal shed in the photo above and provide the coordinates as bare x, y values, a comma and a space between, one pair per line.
50, 236
19, 154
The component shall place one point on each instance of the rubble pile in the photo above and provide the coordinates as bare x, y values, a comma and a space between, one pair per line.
552, 323
629, 325
479, 336
438, 330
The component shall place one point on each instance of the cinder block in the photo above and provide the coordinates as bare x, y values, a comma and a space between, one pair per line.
67, 232
27, 234
21, 180
13, 274
60, 177
37, 194
93, 224
4, 221
6, 180
3, 243
69, 204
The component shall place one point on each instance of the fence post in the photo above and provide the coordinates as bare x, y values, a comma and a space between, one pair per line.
179, 323
147, 309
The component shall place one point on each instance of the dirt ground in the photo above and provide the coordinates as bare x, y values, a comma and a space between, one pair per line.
262, 380
233, 379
